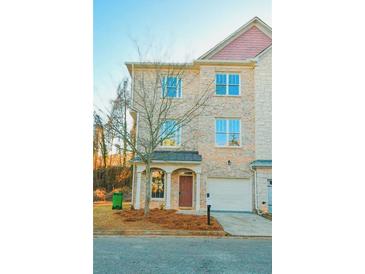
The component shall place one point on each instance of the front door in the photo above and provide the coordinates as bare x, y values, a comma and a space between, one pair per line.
186, 191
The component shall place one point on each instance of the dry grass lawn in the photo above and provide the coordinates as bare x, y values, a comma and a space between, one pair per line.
106, 219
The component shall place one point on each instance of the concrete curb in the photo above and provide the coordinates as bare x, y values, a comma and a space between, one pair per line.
177, 233
161, 233
185, 236
250, 237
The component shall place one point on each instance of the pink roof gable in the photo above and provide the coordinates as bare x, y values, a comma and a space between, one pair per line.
247, 45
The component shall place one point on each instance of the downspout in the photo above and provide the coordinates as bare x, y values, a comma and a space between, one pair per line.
255, 186
134, 164
132, 85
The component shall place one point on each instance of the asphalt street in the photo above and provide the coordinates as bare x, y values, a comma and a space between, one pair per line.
181, 255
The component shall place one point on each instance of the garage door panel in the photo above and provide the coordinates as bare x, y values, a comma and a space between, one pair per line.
230, 194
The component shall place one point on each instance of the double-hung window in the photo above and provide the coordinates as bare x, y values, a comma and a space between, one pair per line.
227, 132
171, 87
170, 134
227, 84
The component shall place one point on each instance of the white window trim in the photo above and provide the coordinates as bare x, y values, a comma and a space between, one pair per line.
177, 92
164, 189
227, 125
227, 84
179, 145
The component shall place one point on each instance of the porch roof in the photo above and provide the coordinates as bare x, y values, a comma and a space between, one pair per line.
173, 156
261, 163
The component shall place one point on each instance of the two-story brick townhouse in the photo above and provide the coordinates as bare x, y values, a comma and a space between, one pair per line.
231, 160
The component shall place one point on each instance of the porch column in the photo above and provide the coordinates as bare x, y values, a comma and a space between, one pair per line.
197, 196
168, 192
138, 191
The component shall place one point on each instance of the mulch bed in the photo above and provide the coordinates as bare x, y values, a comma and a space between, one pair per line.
170, 219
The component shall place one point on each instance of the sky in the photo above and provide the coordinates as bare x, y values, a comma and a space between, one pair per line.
184, 29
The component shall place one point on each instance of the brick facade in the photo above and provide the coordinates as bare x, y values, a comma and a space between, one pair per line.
252, 107
263, 88
263, 175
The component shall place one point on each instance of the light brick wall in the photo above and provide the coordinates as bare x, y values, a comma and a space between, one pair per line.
242, 107
190, 90
200, 135
263, 86
263, 175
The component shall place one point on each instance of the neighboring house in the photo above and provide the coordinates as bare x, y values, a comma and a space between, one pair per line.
230, 155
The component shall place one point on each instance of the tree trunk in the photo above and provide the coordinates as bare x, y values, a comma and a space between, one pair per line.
124, 135
148, 189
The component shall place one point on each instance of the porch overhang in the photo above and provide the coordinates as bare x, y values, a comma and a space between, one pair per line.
170, 162
173, 156
261, 163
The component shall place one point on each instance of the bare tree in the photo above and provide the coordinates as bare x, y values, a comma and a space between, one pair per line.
99, 143
149, 98
154, 106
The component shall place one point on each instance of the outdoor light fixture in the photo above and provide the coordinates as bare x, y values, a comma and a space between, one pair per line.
229, 162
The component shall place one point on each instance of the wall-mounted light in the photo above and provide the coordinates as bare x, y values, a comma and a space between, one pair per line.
229, 162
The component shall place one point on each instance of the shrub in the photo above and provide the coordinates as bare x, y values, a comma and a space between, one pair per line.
99, 194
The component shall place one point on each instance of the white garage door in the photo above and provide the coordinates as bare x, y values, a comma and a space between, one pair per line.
230, 194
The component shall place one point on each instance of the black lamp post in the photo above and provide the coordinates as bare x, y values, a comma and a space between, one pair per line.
208, 207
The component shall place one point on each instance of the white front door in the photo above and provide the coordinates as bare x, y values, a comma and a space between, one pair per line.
230, 194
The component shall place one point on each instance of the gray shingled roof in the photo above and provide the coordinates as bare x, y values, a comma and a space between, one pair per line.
170, 155
261, 163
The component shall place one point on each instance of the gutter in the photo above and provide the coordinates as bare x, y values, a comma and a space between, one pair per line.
132, 85
194, 65
247, 62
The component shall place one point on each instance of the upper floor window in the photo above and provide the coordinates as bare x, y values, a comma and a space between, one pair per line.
171, 87
227, 132
170, 133
227, 84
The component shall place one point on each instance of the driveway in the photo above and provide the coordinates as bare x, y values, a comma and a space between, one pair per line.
181, 255
243, 224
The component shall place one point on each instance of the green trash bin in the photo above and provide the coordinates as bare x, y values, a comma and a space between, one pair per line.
117, 200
